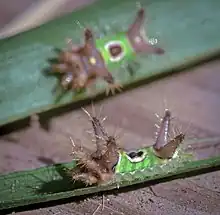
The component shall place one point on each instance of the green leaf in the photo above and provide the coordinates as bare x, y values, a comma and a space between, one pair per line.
189, 31
52, 183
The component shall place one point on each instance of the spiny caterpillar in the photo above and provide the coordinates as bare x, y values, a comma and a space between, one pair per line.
81, 65
109, 159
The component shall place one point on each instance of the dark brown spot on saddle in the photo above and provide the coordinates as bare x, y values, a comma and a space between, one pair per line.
115, 50
135, 154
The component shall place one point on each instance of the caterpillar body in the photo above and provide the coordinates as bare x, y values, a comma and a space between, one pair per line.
81, 65
110, 161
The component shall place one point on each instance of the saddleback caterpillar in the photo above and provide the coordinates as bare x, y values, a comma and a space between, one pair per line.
109, 160
82, 65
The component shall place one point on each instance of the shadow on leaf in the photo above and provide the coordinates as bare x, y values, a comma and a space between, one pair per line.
62, 184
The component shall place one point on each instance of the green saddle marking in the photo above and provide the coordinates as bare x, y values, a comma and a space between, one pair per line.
128, 165
120, 39
147, 160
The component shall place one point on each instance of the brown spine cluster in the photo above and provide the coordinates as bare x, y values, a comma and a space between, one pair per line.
82, 65
96, 167
164, 146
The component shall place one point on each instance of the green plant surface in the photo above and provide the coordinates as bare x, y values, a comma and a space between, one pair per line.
52, 182
189, 31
